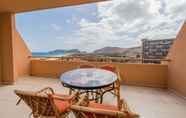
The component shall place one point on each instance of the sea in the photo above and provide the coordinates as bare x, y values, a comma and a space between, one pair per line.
46, 54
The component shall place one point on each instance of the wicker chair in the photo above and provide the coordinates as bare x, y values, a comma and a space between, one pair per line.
41, 105
116, 86
86, 109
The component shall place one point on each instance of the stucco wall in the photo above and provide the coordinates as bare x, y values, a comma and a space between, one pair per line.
7, 25
22, 56
177, 66
14, 61
152, 75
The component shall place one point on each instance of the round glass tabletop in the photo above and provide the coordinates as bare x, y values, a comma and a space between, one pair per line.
89, 78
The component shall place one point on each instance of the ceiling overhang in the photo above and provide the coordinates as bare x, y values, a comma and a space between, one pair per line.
18, 6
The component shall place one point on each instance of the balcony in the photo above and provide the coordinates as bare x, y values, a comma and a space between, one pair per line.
152, 90
144, 86
148, 102
150, 75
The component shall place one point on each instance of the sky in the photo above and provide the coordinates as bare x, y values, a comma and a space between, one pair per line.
116, 23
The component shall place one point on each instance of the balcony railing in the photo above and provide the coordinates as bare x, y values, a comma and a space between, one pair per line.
154, 75
105, 59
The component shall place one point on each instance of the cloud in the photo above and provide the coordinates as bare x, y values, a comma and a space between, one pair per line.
56, 27
124, 23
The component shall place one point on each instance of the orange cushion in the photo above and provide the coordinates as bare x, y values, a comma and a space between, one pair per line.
92, 104
67, 97
62, 106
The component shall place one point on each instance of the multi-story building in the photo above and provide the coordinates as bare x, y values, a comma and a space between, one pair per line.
155, 49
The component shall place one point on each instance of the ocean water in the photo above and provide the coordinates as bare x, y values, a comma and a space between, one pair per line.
45, 54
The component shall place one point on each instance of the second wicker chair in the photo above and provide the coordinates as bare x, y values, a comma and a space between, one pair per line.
116, 87
86, 109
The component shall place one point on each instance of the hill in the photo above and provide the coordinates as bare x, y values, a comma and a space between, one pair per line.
128, 52
110, 50
64, 51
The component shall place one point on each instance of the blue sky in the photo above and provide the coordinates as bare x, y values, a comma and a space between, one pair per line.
117, 23
48, 29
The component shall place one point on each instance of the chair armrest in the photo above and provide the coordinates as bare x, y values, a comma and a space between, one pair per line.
46, 90
43, 92
97, 111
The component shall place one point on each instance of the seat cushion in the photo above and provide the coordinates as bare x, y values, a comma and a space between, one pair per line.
62, 106
93, 104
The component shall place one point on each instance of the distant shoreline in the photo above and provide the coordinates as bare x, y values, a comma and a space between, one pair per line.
44, 54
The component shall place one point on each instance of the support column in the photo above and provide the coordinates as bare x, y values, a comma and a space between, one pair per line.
7, 27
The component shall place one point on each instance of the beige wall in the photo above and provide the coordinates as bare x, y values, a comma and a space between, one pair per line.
152, 75
7, 26
22, 56
177, 66
14, 61
132, 74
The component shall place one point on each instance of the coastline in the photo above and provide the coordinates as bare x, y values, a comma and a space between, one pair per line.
40, 54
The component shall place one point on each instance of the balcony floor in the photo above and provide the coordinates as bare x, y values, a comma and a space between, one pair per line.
148, 102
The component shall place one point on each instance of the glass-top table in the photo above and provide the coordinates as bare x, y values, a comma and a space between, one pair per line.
88, 80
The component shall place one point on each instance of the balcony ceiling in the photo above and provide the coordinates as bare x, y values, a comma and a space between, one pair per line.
17, 6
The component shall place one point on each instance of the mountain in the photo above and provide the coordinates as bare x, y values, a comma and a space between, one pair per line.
58, 51
110, 50
117, 51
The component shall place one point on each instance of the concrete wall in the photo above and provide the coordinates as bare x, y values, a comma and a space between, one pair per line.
22, 56
177, 66
14, 54
7, 26
151, 75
